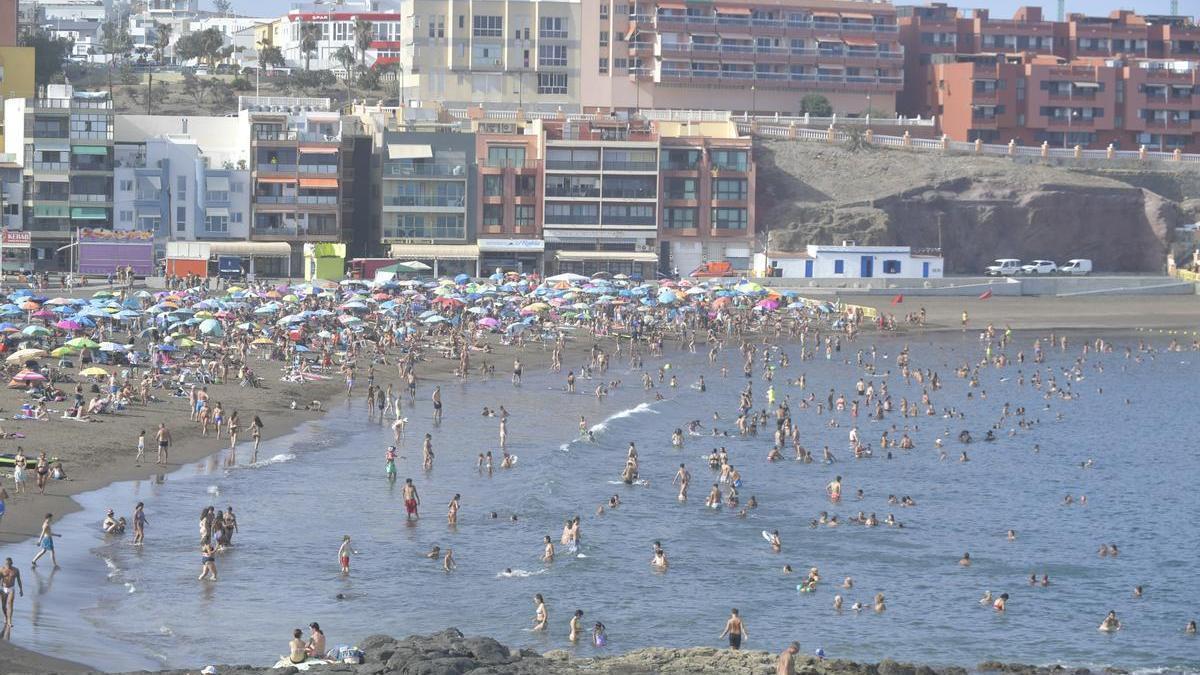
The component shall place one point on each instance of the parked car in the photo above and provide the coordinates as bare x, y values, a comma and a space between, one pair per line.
1079, 266
1003, 267
1040, 267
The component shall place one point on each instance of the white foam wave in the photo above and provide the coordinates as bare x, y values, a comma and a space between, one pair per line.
131, 587
214, 490
113, 570
628, 412
277, 459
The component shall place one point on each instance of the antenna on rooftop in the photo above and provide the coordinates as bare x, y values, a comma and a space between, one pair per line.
1062, 10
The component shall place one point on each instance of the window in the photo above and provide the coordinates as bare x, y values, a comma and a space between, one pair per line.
488, 26
729, 219
731, 160
506, 156
486, 54
460, 20
552, 27
433, 26
628, 214
493, 186
603, 64
218, 224
341, 31
181, 187
236, 188
126, 186
524, 216
839, 266
216, 196
729, 188
552, 55
424, 226
235, 217
127, 216
680, 188
679, 218
567, 214
620, 64
552, 83
603, 9
180, 218
891, 267
603, 38
493, 214
441, 25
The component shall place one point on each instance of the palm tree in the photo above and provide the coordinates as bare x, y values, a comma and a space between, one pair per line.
364, 34
310, 34
162, 39
345, 57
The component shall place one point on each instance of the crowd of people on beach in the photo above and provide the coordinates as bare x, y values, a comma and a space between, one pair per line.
187, 344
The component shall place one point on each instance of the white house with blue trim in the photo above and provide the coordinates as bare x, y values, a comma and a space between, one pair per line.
849, 261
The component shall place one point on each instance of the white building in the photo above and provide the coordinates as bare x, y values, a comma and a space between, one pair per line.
336, 30
72, 10
849, 261
185, 179
84, 36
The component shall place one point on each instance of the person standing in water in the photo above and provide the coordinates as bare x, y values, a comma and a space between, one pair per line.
10, 585
452, 510
344, 552
540, 615
682, 477
576, 626
437, 404
735, 629
139, 524
411, 500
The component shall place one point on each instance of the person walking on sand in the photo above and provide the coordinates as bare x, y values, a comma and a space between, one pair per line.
45, 542
735, 629
164, 443
256, 427
139, 524
344, 552
141, 448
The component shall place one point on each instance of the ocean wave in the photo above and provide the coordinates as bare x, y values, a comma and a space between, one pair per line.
628, 412
277, 459
519, 574
114, 570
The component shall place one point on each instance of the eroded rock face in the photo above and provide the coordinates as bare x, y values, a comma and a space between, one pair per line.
975, 208
450, 653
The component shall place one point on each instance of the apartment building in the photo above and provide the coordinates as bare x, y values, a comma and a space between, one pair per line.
16, 77
171, 186
600, 200
511, 53
16, 242
65, 141
8, 23
334, 29
427, 195
763, 56
1092, 103
927, 31
706, 188
511, 196
295, 165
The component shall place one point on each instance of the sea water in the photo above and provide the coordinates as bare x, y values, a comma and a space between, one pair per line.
119, 607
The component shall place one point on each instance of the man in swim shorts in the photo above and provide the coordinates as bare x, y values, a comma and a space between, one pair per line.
411, 499
164, 442
10, 577
735, 629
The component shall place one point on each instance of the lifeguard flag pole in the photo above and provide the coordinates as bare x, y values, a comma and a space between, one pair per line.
986, 294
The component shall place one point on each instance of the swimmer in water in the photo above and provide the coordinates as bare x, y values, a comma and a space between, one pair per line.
965, 560
774, 541
1110, 624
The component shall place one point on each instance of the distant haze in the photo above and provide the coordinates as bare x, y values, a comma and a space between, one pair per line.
998, 8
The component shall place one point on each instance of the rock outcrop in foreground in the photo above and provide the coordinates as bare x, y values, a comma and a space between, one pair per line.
450, 653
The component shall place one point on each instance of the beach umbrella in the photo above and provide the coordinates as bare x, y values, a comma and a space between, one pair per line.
25, 354
488, 322
94, 372
111, 347
103, 294
68, 324
211, 327
185, 343
263, 341
59, 352
33, 331
348, 320
436, 318
59, 301
568, 277
82, 343
29, 376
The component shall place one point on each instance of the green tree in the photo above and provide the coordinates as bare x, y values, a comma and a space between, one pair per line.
49, 55
346, 58
364, 33
310, 35
816, 105
222, 6
205, 46
115, 38
270, 56
162, 39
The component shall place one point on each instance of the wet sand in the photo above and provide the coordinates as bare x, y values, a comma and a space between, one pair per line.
97, 454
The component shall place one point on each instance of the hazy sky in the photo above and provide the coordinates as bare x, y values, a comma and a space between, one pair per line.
999, 8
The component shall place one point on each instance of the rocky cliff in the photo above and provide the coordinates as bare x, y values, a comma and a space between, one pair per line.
975, 208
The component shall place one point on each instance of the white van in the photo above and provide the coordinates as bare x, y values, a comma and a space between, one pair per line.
1003, 267
1078, 266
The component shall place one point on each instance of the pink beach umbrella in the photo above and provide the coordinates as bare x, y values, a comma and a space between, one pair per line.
67, 324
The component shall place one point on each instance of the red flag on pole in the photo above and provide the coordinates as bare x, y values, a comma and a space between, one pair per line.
986, 294
898, 299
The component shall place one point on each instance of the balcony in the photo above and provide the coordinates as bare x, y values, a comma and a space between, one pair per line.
268, 167
628, 193
67, 104
90, 198
56, 167
572, 220
433, 169
423, 200
572, 165
620, 165
629, 220
324, 169
92, 135
317, 200
275, 199
293, 232
572, 191
670, 165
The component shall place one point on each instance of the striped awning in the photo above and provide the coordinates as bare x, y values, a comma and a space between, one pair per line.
634, 256
435, 251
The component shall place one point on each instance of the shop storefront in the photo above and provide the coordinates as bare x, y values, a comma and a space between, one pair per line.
510, 255
587, 263
446, 260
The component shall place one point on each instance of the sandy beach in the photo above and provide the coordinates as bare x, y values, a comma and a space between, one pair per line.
99, 453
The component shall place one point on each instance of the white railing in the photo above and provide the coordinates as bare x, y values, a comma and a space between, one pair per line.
283, 102
831, 134
673, 115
